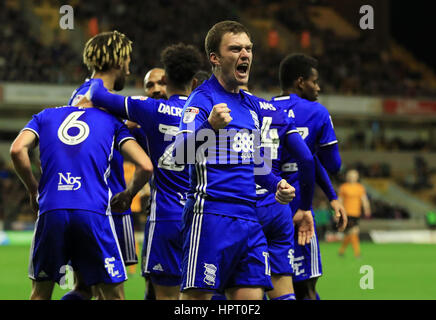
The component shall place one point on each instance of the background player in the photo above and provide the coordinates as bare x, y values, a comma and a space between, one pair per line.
159, 119
154, 88
72, 198
113, 71
353, 195
299, 84
200, 77
278, 133
154, 84
224, 247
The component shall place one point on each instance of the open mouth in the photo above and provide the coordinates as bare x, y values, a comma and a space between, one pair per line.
242, 69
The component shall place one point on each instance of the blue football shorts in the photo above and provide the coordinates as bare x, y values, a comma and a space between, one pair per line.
276, 221
126, 237
162, 252
307, 258
86, 239
221, 252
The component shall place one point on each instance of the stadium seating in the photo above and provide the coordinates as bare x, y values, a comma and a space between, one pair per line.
349, 63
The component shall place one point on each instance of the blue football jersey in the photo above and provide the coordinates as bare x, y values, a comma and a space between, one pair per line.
79, 93
314, 124
276, 125
223, 182
141, 138
159, 121
116, 180
76, 147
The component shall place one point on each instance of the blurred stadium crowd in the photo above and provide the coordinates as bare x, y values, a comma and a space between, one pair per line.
347, 66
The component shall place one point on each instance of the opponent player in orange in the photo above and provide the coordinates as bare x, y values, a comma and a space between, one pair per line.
353, 196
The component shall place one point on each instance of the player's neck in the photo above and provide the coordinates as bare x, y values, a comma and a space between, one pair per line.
229, 86
107, 78
288, 92
172, 91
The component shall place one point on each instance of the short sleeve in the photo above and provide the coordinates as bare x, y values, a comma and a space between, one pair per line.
195, 112
341, 190
34, 125
290, 125
327, 133
140, 109
122, 135
140, 137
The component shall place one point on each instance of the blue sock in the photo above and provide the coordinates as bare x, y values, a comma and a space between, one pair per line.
72, 295
290, 296
219, 296
317, 296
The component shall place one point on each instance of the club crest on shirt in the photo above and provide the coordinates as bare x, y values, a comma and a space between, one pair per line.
190, 114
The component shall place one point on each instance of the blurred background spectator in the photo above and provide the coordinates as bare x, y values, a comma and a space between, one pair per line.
34, 49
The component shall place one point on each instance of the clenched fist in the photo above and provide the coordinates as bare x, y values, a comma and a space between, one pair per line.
285, 192
220, 117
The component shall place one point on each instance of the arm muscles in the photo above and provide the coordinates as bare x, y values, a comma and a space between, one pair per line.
19, 152
144, 167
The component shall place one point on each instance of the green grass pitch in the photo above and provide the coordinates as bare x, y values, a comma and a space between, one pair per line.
400, 272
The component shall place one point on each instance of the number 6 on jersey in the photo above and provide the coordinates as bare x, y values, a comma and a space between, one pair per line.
72, 122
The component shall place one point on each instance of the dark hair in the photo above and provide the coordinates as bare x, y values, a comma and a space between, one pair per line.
106, 50
181, 62
294, 66
202, 76
215, 35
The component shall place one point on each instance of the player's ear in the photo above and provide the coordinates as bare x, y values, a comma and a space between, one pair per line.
300, 82
214, 59
194, 83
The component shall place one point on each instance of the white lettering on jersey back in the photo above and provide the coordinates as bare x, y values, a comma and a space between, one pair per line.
170, 110
266, 106
166, 129
71, 183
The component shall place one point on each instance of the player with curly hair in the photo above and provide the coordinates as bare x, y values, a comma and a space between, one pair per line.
74, 195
